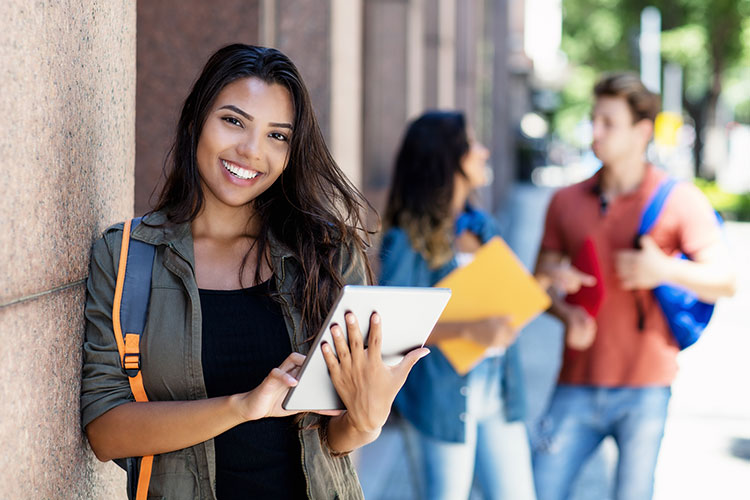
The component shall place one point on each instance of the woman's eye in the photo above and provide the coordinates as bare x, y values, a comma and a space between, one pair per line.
278, 136
232, 120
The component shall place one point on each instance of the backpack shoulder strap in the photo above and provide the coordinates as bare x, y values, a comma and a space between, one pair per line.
655, 205
129, 313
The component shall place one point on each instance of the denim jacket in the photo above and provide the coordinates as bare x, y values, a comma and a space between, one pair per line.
432, 398
171, 357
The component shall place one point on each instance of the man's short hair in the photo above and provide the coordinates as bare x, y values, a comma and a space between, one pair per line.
643, 104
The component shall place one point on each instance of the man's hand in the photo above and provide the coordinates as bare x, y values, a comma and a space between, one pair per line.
580, 328
642, 269
563, 278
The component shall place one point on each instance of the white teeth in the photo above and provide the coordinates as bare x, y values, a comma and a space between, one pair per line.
239, 172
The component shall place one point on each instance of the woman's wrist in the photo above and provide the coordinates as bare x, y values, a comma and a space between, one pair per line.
240, 407
343, 435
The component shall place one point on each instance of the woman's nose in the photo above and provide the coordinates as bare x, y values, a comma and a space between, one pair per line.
484, 151
250, 147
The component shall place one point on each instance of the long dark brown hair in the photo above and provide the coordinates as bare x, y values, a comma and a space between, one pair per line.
421, 195
312, 208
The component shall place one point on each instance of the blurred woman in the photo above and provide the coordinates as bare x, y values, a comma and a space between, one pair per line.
468, 425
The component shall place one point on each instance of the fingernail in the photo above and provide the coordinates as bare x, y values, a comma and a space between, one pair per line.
324, 346
350, 318
335, 331
375, 318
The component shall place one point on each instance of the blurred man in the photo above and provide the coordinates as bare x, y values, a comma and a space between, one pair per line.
618, 367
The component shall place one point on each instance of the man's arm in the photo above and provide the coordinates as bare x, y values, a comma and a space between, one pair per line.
555, 274
709, 274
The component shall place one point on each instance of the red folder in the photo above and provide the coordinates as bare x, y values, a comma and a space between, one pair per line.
588, 297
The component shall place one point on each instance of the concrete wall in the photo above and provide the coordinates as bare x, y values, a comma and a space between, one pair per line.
67, 112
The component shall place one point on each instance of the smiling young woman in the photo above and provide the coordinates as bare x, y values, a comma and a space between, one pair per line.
256, 231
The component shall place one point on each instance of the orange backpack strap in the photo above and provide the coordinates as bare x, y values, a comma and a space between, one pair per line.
129, 313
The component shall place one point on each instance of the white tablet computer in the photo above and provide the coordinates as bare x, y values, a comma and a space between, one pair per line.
408, 315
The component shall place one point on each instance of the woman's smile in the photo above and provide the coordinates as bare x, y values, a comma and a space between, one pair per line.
238, 171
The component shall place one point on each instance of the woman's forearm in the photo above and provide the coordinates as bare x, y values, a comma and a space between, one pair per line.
138, 429
448, 330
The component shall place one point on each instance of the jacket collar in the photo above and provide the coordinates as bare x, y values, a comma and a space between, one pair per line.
158, 230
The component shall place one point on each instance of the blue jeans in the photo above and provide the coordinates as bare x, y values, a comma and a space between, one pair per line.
495, 450
580, 417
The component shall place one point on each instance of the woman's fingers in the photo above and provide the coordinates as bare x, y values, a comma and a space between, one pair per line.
406, 364
356, 343
291, 361
375, 337
285, 378
330, 413
342, 349
331, 361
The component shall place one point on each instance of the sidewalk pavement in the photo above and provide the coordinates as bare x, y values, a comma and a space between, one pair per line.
706, 448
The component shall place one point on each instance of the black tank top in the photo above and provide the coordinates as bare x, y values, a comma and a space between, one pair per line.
244, 338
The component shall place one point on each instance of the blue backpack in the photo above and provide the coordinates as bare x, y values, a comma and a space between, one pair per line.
687, 316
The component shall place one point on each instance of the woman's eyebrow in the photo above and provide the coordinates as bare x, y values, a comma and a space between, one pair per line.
281, 125
238, 111
251, 118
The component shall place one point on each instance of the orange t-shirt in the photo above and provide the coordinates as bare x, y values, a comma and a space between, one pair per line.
622, 355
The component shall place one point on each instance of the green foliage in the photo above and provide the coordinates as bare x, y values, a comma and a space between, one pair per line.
702, 36
731, 206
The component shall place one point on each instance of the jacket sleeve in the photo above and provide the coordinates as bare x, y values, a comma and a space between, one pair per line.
397, 259
481, 223
104, 384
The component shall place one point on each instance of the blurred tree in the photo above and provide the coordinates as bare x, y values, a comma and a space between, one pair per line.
708, 38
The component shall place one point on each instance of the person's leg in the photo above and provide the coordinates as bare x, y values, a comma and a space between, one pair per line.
504, 460
448, 467
638, 433
568, 433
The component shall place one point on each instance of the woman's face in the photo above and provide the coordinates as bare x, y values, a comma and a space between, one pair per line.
244, 145
474, 162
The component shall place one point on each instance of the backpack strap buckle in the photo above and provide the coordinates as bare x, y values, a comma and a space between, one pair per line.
131, 359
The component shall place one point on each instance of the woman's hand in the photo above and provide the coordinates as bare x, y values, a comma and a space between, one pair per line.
495, 331
367, 386
265, 400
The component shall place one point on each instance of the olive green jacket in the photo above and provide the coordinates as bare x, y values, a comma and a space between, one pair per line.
171, 357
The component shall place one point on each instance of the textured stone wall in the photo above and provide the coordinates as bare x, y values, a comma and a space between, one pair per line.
67, 114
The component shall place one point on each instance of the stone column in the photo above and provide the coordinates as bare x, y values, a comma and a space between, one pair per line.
468, 37
385, 91
303, 32
67, 152
501, 146
346, 87
175, 39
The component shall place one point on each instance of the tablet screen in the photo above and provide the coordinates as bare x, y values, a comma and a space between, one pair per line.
408, 315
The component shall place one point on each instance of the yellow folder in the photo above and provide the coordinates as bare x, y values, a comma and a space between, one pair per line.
495, 283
